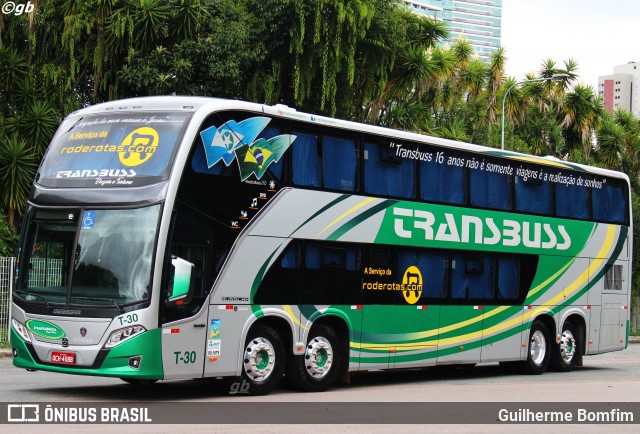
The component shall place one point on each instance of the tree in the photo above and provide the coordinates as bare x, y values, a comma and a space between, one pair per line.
414, 73
17, 169
580, 115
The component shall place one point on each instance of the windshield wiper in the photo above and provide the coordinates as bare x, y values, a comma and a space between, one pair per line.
115, 304
34, 295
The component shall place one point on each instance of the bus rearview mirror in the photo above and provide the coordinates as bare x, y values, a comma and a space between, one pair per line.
181, 283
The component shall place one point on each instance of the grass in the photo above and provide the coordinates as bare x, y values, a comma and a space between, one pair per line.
4, 335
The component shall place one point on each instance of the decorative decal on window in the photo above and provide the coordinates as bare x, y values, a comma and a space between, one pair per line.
237, 141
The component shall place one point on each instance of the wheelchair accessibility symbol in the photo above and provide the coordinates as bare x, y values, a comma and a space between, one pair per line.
89, 219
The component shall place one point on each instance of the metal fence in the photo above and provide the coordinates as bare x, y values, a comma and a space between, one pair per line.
7, 265
43, 273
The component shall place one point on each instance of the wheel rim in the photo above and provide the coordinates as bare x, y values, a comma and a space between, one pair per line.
259, 359
567, 346
318, 357
538, 347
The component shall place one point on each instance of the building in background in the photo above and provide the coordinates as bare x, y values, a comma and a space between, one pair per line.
621, 90
479, 21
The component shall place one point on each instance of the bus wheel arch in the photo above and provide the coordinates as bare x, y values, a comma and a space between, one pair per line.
567, 352
264, 355
325, 356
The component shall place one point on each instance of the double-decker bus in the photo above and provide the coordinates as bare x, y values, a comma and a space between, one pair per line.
181, 237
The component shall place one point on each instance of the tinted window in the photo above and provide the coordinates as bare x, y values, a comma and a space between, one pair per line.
442, 183
433, 266
609, 202
327, 162
472, 276
572, 201
533, 196
332, 274
386, 174
490, 189
283, 282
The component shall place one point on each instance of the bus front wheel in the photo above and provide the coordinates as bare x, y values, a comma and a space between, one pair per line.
565, 354
321, 364
263, 361
538, 351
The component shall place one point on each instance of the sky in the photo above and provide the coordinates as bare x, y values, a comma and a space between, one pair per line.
597, 34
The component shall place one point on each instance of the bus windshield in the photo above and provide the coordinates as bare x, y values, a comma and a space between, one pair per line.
114, 150
88, 258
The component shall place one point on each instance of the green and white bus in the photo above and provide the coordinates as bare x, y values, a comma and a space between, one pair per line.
184, 237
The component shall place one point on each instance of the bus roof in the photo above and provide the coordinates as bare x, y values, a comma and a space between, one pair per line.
210, 104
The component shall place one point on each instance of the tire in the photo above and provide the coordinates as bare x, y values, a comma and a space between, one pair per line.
566, 353
538, 350
322, 363
263, 361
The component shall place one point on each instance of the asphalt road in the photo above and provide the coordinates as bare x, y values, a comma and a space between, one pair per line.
611, 377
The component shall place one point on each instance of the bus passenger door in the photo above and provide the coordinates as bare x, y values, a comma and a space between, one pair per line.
183, 347
184, 328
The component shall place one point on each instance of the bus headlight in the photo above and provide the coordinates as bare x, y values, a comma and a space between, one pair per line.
21, 330
122, 335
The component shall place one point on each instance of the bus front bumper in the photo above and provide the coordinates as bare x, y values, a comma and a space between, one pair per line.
138, 358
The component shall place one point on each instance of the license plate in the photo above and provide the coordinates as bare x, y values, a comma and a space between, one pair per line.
64, 358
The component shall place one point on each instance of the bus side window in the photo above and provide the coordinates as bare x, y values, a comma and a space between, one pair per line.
472, 276
306, 160
442, 183
609, 203
434, 270
339, 163
332, 274
533, 196
324, 162
508, 282
490, 190
282, 284
572, 201
385, 174
378, 259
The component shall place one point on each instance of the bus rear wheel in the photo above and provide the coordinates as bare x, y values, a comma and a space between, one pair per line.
263, 361
539, 350
565, 354
321, 364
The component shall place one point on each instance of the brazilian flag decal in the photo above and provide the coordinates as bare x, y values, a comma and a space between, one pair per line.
221, 143
254, 159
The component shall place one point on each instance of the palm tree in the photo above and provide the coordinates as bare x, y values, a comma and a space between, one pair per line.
414, 71
495, 78
619, 143
18, 165
580, 115
611, 143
